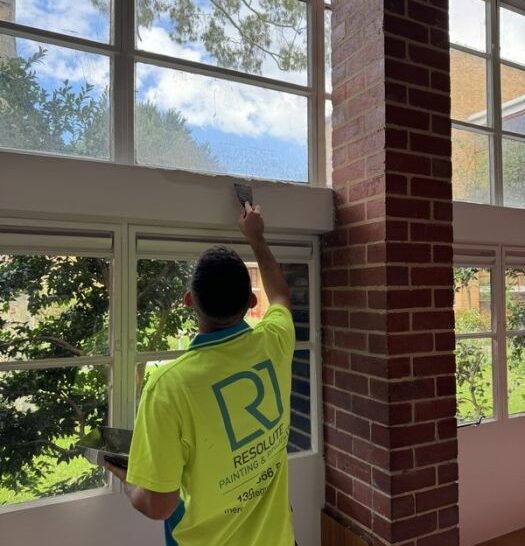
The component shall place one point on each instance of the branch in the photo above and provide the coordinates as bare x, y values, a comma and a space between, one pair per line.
50, 444
60, 343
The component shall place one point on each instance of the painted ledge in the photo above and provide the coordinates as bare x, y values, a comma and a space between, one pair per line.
54, 187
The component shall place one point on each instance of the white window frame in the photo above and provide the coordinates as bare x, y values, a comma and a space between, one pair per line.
124, 54
495, 258
123, 355
494, 129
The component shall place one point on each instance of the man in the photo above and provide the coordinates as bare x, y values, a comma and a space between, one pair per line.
209, 447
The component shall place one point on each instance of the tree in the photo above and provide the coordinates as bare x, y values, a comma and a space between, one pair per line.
68, 316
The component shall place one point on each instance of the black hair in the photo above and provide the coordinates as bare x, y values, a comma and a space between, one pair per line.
221, 285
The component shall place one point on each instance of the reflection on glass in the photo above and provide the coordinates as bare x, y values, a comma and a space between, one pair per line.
467, 23
513, 172
516, 374
474, 379
163, 321
300, 424
512, 35
297, 278
328, 137
82, 19
468, 80
472, 300
53, 307
54, 99
328, 49
193, 122
254, 36
143, 373
470, 166
513, 99
515, 298
44, 413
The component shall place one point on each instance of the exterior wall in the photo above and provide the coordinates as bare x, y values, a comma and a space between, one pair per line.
389, 386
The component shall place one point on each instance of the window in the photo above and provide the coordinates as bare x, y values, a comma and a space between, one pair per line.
55, 360
213, 87
165, 326
82, 329
489, 307
488, 101
474, 342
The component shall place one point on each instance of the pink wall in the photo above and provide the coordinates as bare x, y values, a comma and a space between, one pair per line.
491, 480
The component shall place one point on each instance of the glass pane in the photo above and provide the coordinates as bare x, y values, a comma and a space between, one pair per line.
90, 19
54, 99
467, 23
474, 379
53, 306
512, 39
328, 49
44, 413
470, 166
468, 80
513, 172
472, 300
515, 298
163, 321
297, 278
254, 36
301, 422
516, 374
513, 99
186, 121
328, 137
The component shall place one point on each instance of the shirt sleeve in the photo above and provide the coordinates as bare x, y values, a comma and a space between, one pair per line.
279, 327
158, 452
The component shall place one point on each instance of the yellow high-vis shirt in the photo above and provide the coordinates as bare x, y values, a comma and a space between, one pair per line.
214, 423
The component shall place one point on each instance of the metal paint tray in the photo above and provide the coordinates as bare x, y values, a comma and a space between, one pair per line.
106, 442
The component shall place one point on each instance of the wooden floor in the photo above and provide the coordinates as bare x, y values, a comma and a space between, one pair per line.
514, 539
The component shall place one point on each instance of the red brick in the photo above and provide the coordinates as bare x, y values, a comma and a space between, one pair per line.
353, 466
444, 297
442, 254
402, 27
432, 276
328, 376
432, 102
352, 424
337, 439
387, 414
449, 472
336, 397
335, 277
442, 168
375, 209
339, 359
367, 189
393, 46
403, 436
414, 527
412, 389
441, 124
434, 365
398, 322
427, 14
367, 233
437, 498
430, 144
395, 92
440, 81
448, 428
370, 365
350, 215
410, 343
406, 117
413, 480
337, 318
363, 494
405, 207
448, 517
431, 188
349, 173
401, 459
409, 299
446, 386
420, 231
350, 255
429, 57
368, 276
367, 320
433, 320
443, 211
445, 341
347, 339
351, 382
339, 480
406, 72
354, 510
408, 252
435, 409
350, 298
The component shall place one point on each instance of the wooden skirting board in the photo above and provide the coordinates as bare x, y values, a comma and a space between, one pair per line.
335, 534
514, 539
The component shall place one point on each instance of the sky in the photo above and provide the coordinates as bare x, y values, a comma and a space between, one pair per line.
253, 131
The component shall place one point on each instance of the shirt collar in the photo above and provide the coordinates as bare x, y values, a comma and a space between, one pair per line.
219, 336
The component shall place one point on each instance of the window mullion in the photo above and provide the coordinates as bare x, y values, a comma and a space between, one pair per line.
494, 92
123, 83
500, 356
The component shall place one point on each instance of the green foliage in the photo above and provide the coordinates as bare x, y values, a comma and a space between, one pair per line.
63, 121
473, 370
239, 34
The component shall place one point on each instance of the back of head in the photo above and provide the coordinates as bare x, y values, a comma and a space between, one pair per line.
221, 286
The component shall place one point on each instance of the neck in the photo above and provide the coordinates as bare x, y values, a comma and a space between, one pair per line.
206, 326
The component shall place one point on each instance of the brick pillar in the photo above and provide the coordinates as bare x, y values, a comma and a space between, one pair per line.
389, 387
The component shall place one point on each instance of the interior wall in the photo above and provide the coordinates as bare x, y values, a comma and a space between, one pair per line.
491, 456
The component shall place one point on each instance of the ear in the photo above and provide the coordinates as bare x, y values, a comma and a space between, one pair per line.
188, 299
253, 301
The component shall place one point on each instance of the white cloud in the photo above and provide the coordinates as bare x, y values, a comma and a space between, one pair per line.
211, 102
228, 106
78, 18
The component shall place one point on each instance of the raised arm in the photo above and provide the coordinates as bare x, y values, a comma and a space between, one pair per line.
252, 225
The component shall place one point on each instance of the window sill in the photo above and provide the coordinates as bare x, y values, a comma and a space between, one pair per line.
42, 186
